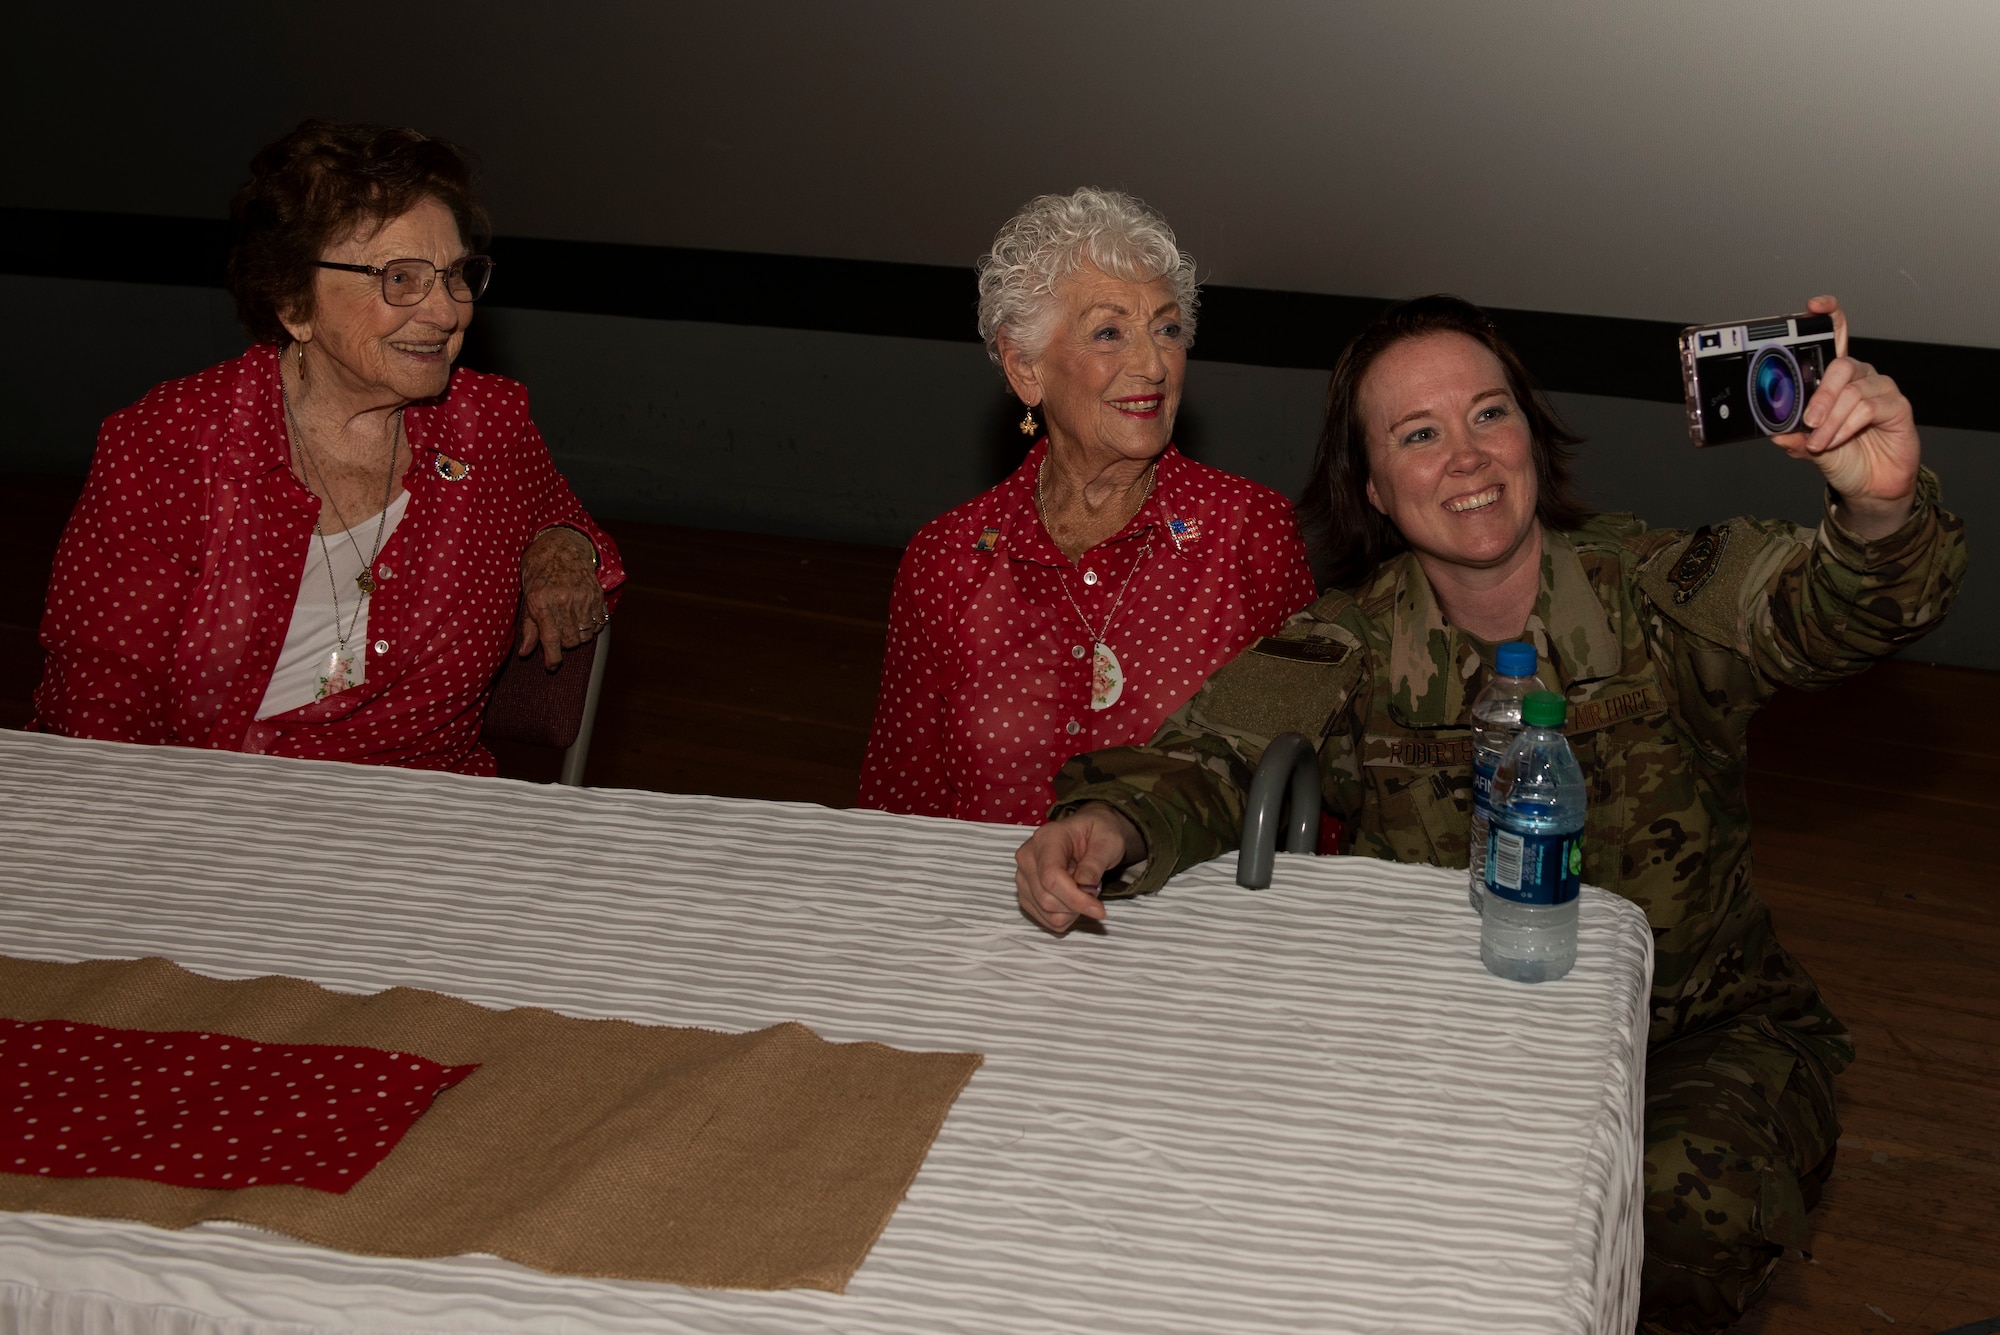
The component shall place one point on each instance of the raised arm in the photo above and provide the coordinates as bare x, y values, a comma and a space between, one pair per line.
1772, 604
1887, 561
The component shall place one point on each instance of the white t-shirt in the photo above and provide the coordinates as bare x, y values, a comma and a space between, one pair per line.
300, 676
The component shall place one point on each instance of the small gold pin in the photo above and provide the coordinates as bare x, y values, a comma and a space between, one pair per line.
452, 470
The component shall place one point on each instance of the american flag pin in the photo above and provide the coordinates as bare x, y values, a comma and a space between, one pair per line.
1183, 531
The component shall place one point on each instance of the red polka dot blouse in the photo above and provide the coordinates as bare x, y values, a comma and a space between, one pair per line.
993, 677
174, 583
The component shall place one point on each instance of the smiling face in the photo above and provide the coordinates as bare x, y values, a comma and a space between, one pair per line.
373, 353
1450, 455
1109, 382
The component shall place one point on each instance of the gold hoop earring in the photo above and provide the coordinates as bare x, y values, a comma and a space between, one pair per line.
302, 361
1028, 427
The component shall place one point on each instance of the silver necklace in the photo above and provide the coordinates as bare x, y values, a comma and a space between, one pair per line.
365, 581
1042, 473
337, 671
1107, 674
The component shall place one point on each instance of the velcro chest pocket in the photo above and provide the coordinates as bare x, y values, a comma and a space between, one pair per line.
1280, 685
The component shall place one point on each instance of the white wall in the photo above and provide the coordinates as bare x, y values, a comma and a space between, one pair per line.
1685, 161
1696, 160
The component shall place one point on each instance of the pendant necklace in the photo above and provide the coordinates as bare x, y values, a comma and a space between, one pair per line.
1107, 674
336, 672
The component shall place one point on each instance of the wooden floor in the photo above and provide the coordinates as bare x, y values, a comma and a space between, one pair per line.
746, 666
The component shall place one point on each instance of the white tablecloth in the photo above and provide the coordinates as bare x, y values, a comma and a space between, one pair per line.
1302, 1108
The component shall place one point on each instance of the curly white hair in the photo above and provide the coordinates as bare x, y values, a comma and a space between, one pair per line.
1055, 235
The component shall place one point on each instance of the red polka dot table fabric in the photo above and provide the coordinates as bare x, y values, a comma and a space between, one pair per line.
204, 1110
175, 579
991, 672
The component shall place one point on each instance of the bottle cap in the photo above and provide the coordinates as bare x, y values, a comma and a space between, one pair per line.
1544, 709
1516, 658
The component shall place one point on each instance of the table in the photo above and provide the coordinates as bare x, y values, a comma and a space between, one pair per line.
1301, 1108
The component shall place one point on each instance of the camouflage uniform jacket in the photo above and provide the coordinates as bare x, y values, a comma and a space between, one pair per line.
1665, 642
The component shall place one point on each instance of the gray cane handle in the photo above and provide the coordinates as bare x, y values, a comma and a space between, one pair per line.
1289, 767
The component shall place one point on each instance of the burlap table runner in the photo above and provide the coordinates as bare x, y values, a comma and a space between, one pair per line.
592, 1147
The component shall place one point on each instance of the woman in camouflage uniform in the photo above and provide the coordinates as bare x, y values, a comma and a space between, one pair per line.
1442, 488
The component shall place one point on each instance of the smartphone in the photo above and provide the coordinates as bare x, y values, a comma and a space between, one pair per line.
1753, 378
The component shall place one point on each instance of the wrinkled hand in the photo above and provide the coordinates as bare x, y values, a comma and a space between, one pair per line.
1058, 871
561, 605
1862, 435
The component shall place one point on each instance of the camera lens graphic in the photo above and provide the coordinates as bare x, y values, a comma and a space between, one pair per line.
1774, 391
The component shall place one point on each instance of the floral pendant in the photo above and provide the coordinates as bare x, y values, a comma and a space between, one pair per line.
1107, 677
335, 674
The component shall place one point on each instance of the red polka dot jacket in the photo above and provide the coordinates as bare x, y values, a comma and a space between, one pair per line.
175, 579
990, 675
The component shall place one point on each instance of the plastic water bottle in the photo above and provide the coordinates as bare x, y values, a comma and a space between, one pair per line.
1496, 722
1534, 850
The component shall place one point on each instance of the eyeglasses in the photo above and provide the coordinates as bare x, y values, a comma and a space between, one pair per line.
407, 282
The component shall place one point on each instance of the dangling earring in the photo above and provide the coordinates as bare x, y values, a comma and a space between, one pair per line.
1028, 423
302, 362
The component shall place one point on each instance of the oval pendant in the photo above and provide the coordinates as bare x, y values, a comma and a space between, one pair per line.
1107, 677
335, 674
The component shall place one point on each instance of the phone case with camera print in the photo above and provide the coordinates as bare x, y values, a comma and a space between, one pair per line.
1754, 378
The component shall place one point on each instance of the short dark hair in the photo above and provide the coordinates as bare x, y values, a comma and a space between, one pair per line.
1348, 537
318, 184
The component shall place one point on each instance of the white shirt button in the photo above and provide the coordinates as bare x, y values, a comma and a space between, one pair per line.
1090, 577
381, 646
1072, 727
1076, 651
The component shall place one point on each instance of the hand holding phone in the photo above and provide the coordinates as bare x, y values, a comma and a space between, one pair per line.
1791, 377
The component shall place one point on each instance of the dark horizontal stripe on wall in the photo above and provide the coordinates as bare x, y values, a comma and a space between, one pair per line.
1583, 354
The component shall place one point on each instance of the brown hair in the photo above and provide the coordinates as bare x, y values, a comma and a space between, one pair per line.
1349, 538
317, 185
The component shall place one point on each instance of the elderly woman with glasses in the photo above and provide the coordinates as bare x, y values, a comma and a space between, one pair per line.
319, 548
1078, 603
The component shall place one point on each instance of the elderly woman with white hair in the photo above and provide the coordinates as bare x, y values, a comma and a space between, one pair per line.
1081, 601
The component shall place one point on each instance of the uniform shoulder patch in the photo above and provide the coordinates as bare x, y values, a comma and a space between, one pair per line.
1698, 562
1698, 580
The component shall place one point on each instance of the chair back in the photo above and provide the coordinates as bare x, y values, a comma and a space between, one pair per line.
537, 707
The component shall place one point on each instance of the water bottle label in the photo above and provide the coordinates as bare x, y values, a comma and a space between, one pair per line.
1483, 771
1533, 868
